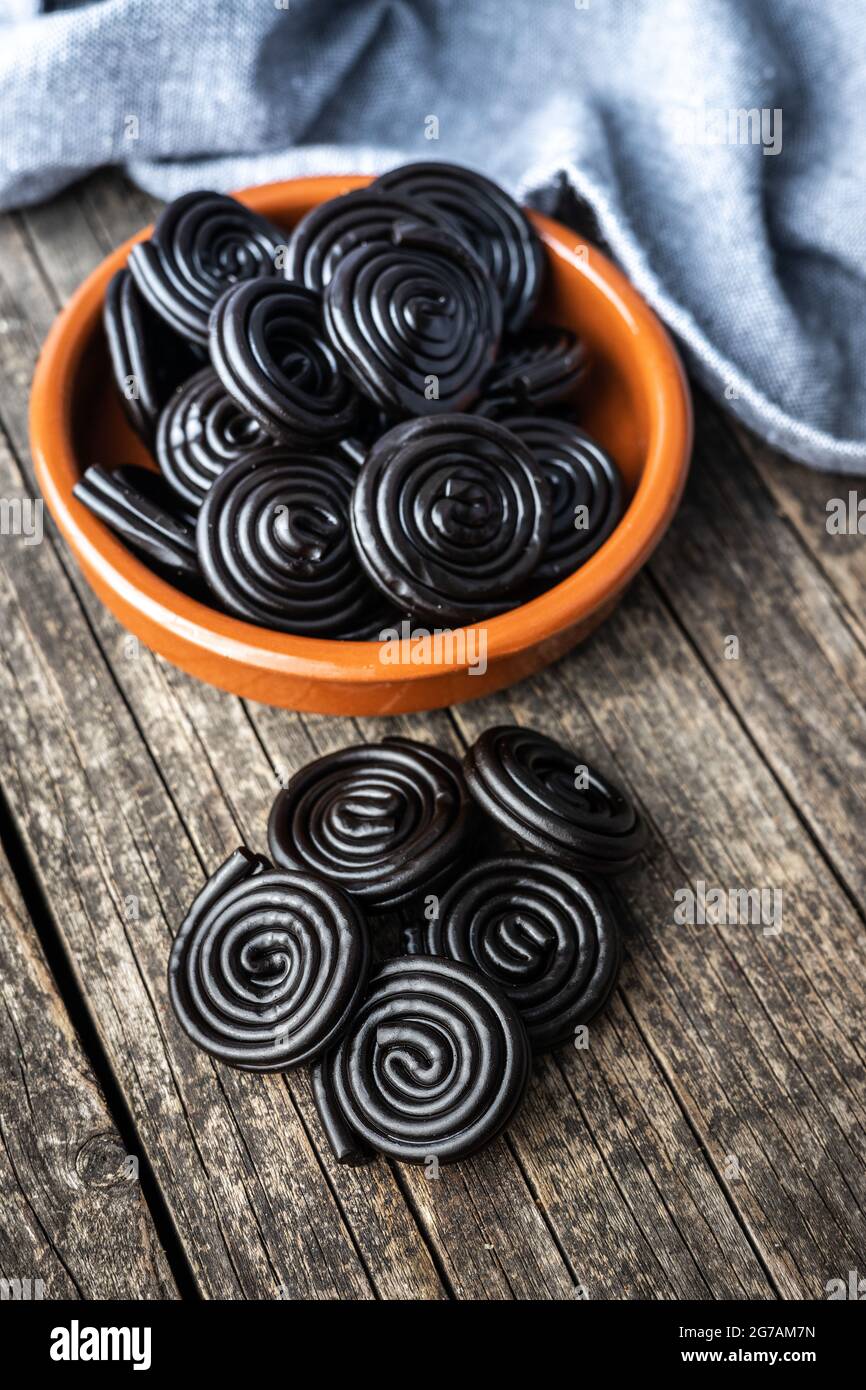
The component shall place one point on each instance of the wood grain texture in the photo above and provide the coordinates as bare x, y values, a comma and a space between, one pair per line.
710, 1141
799, 682
73, 1221
801, 498
757, 1036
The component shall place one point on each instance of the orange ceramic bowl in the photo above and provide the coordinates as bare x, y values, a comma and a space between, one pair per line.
635, 401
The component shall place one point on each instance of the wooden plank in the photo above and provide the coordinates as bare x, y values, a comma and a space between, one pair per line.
733, 568
801, 496
73, 1220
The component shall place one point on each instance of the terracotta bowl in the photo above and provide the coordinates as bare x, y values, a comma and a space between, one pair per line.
635, 401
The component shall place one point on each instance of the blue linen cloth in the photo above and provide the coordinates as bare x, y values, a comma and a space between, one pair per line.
715, 145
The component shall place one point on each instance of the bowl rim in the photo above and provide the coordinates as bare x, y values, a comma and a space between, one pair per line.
602, 576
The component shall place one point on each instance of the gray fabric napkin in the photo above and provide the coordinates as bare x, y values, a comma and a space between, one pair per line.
716, 143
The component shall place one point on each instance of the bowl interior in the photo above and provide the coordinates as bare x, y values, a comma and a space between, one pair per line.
610, 403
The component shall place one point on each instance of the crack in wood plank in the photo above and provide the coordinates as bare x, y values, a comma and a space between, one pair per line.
73, 1219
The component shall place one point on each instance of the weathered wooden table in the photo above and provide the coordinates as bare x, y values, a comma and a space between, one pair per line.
710, 1142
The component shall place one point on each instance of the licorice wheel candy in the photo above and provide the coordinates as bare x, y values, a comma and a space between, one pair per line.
156, 489
268, 967
202, 243
330, 231
148, 360
347, 1146
139, 507
274, 544
541, 369
383, 820
270, 351
494, 225
551, 799
416, 320
585, 490
434, 1065
200, 432
450, 516
546, 935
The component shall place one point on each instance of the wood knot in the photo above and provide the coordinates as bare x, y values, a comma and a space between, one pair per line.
102, 1161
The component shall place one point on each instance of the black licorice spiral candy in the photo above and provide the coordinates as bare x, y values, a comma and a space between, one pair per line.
148, 360
200, 432
550, 799
202, 243
496, 227
346, 1145
434, 1065
545, 935
543, 368
416, 320
156, 489
333, 229
275, 547
140, 507
450, 516
268, 968
269, 350
383, 820
585, 488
